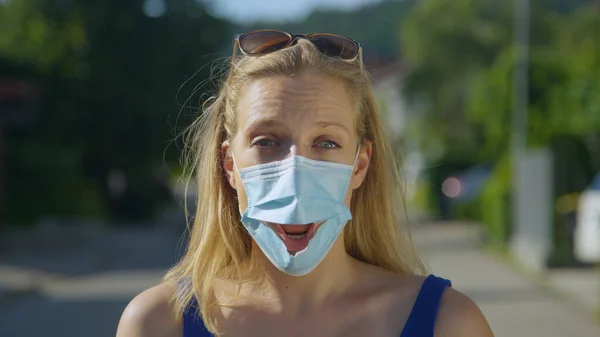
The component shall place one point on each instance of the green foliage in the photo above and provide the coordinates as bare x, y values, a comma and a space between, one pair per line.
575, 104
490, 104
40, 34
461, 67
460, 59
109, 77
494, 204
446, 44
46, 181
420, 204
563, 78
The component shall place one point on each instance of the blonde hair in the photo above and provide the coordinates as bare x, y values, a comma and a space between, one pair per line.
220, 248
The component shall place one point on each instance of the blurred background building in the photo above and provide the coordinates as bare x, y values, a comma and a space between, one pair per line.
500, 144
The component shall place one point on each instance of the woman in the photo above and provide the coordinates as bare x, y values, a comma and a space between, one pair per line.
289, 155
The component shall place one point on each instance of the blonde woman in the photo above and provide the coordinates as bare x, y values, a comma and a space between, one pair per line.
296, 231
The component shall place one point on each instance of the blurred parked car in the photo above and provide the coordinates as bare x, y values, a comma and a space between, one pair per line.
587, 230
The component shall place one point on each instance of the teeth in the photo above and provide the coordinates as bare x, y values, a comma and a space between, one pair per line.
296, 237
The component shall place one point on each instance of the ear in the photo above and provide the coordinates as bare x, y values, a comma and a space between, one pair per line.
362, 164
228, 164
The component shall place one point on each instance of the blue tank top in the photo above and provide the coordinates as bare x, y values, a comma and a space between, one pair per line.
420, 323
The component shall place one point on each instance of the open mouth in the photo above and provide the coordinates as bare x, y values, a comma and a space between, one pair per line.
295, 237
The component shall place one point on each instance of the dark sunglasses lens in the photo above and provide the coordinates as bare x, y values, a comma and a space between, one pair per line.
335, 46
263, 42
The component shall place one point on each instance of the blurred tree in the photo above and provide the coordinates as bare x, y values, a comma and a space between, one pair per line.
575, 103
375, 26
110, 71
563, 112
445, 44
460, 61
490, 100
563, 81
449, 46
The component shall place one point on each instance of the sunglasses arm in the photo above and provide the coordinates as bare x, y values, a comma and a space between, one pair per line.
360, 58
236, 45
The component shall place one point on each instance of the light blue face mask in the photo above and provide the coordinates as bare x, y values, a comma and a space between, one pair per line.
296, 190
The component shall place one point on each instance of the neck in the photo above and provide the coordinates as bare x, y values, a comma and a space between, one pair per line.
330, 279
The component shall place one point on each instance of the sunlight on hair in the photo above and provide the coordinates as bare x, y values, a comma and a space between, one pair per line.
219, 246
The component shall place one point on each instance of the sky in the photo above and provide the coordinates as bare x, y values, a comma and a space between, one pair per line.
244, 11
247, 11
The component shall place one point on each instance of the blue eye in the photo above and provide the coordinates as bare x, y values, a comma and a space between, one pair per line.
327, 145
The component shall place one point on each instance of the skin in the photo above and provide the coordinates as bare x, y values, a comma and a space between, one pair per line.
312, 116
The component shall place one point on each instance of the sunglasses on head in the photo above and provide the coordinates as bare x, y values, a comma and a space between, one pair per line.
261, 42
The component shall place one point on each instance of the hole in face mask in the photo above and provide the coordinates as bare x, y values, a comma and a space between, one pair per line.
295, 237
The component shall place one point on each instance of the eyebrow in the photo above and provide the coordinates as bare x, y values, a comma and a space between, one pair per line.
272, 121
330, 123
267, 121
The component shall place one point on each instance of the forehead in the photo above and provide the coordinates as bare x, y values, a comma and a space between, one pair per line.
297, 99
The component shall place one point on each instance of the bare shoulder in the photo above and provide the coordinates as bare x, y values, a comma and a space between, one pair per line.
386, 278
400, 289
150, 314
395, 292
459, 316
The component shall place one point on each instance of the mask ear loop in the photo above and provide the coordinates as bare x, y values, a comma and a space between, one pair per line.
234, 163
356, 157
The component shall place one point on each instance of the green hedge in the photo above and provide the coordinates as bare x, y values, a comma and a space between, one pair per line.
491, 208
494, 205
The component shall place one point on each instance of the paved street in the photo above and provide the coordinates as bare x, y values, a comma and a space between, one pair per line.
89, 304
83, 292
513, 305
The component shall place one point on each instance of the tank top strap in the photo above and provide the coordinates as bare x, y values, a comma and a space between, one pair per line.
193, 326
421, 321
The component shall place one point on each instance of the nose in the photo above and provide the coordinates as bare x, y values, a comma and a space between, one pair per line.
300, 150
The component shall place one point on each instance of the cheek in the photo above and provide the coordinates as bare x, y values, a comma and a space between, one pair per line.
348, 197
355, 183
241, 194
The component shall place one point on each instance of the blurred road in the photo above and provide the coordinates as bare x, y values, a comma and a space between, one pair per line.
82, 291
514, 306
89, 304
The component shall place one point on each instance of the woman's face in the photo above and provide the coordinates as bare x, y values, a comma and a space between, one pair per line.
306, 115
